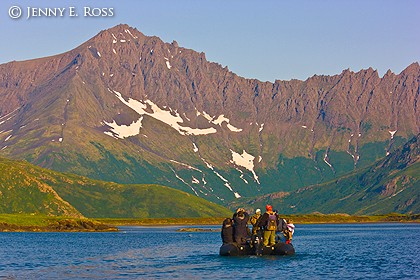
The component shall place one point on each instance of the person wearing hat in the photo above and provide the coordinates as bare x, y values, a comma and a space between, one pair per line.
268, 221
254, 220
241, 229
256, 236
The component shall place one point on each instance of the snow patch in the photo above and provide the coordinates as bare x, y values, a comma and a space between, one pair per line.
205, 115
128, 31
304, 126
325, 159
392, 133
186, 165
242, 175
226, 184
245, 160
185, 116
182, 180
219, 120
114, 41
261, 127
99, 54
195, 148
114, 51
233, 129
168, 65
164, 116
60, 139
5, 116
237, 195
124, 131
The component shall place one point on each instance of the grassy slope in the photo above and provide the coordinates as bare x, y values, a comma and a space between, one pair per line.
29, 189
390, 185
23, 190
348, 195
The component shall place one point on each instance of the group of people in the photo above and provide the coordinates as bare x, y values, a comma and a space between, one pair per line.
268, 228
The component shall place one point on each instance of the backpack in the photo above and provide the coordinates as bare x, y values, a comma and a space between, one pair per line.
272, 222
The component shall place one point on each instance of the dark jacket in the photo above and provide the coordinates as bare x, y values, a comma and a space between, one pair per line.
227, 231
262, 222
241, 227
281, 224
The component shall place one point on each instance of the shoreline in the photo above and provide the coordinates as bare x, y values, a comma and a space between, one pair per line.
40, 223
315, 218
43, 223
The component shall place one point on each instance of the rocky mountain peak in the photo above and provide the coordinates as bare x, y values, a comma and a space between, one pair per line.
123, 95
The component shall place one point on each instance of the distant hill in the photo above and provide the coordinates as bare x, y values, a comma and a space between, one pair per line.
25, 188
390, 185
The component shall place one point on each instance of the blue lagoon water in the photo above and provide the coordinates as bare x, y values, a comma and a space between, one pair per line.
361, 251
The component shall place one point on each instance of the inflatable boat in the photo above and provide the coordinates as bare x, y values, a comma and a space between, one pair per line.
233, 249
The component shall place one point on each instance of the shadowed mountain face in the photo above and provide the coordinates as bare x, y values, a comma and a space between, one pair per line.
390, 185
129, 108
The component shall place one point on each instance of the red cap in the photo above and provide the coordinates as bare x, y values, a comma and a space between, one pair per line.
269, 207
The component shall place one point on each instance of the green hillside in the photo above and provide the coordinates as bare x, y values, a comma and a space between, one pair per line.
390, 185
25, 188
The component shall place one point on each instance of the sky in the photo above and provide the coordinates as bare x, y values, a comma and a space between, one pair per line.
266, 40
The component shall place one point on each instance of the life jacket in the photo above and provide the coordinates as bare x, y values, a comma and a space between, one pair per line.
254, 219
272, 221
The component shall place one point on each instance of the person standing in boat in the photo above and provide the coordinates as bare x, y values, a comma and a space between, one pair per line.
256, 236
241, 229
256, 230
281, 229
268, 221
290, 231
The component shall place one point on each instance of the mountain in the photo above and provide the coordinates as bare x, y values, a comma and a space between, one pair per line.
129, 108
390, 185
25, 188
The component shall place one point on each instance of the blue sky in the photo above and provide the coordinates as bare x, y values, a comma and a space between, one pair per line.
266, 40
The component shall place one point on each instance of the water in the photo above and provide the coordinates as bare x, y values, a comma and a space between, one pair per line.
361, 251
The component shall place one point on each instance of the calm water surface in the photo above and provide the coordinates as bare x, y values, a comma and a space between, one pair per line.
363, 251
